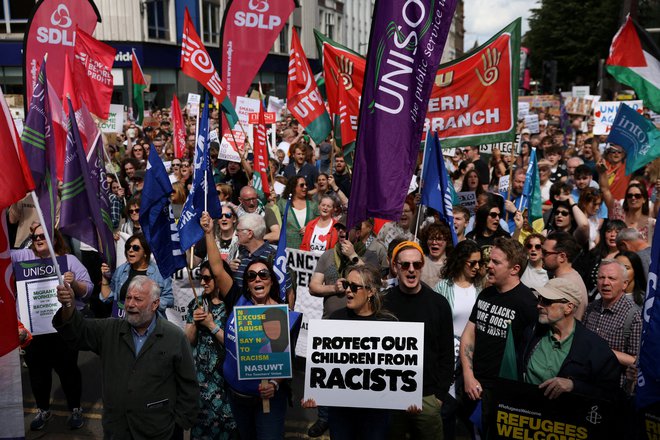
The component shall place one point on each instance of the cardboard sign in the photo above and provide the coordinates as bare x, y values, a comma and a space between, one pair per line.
230, 145
468, 200
276, 106
605, 112
245, 106
532, 123
521, 410
36, 290
192, 105
504, 147
182, 290
503, 186
115, 121
365, 364
303, 263
269, 118
262, 342
523, 109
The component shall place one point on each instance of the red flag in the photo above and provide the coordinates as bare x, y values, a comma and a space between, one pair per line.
15, 178
303, 98
92, 72
196, 62
249, 30
68, 88
59, 128
261, 151
178, 129
348, 115
8, 321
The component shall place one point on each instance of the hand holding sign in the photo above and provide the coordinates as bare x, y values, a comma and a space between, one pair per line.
556, 386
65, 296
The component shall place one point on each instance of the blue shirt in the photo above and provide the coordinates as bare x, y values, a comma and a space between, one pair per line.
139, 340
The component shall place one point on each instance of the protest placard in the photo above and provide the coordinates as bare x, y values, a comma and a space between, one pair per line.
532, 123
365, 364
182, 290
276, 106
230, 145
269, 118
504, 147
523, 109
580, 91
115, 121
302, 264
36, 290
520, 410
192, 105
468, 200
605, 112
503, 187
262, 342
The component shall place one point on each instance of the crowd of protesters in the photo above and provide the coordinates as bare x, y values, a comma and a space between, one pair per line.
572, 288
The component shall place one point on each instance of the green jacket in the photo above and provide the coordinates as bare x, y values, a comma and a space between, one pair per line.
142, 397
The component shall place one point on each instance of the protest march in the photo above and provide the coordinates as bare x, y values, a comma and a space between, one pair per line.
398, 243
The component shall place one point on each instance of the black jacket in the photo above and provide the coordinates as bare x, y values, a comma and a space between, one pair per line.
590, 363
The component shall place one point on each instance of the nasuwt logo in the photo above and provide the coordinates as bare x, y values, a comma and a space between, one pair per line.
257, 17
59, 34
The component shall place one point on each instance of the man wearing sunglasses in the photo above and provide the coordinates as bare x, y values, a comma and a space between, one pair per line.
505, 301
559, 251
560, 354
413, 301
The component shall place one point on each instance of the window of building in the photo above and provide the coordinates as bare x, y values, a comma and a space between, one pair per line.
158, 19
211, 21
330, 26
14, 15
284, 39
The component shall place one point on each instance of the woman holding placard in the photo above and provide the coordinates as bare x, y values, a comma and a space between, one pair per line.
260, 287
204, 324
363, 302
49, 351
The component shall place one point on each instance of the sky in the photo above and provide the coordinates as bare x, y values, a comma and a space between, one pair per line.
483, 18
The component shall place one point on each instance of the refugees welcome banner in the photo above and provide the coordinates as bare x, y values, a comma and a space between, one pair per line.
474, 99
406, 43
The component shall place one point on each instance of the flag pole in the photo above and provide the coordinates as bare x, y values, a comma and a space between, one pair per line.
421, 183
49, 242
190, 279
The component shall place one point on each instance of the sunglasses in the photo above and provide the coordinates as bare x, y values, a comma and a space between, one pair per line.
263, 274
133, 211
169, 154
546, 253
354, 287
38, 237
405, 265
531, 246
473, 263
176, 165
562, 213
494, 214
631, 196
226, 215
206, 278
138, 149
133, 247
302, 185
545, 302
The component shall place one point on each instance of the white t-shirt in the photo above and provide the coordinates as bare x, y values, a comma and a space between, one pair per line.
464, 299
301, 215
319, 241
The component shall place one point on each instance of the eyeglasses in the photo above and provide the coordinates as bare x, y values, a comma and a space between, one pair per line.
250, 200
302, 185
169, 154
226, 215
546, 253
263, 274
531, 246
405, 265
494, 214
354, 287
38, 237
206, 279
138, 149
545, 302
613, 151
437, 239
631, 196
133, 211
562, 213
185, 165
473, 263
176, 164
133, 247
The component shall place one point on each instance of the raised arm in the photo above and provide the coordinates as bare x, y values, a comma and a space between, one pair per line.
222, 278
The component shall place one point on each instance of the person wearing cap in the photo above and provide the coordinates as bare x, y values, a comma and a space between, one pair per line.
412, 301
559, 250
559, 354
505, 300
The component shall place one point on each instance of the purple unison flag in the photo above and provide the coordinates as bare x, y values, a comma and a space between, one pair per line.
77, 217
405, 47
39, 147
100, 191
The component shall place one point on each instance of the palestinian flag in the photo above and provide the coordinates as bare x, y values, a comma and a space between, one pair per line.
139, 84
635, 61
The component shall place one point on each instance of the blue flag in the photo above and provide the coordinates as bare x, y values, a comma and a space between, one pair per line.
637, 135
280, 256
157, 219
437, 192
648, 370
39, 147
189, 229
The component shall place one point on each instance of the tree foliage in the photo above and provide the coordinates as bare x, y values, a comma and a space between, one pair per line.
575, 33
